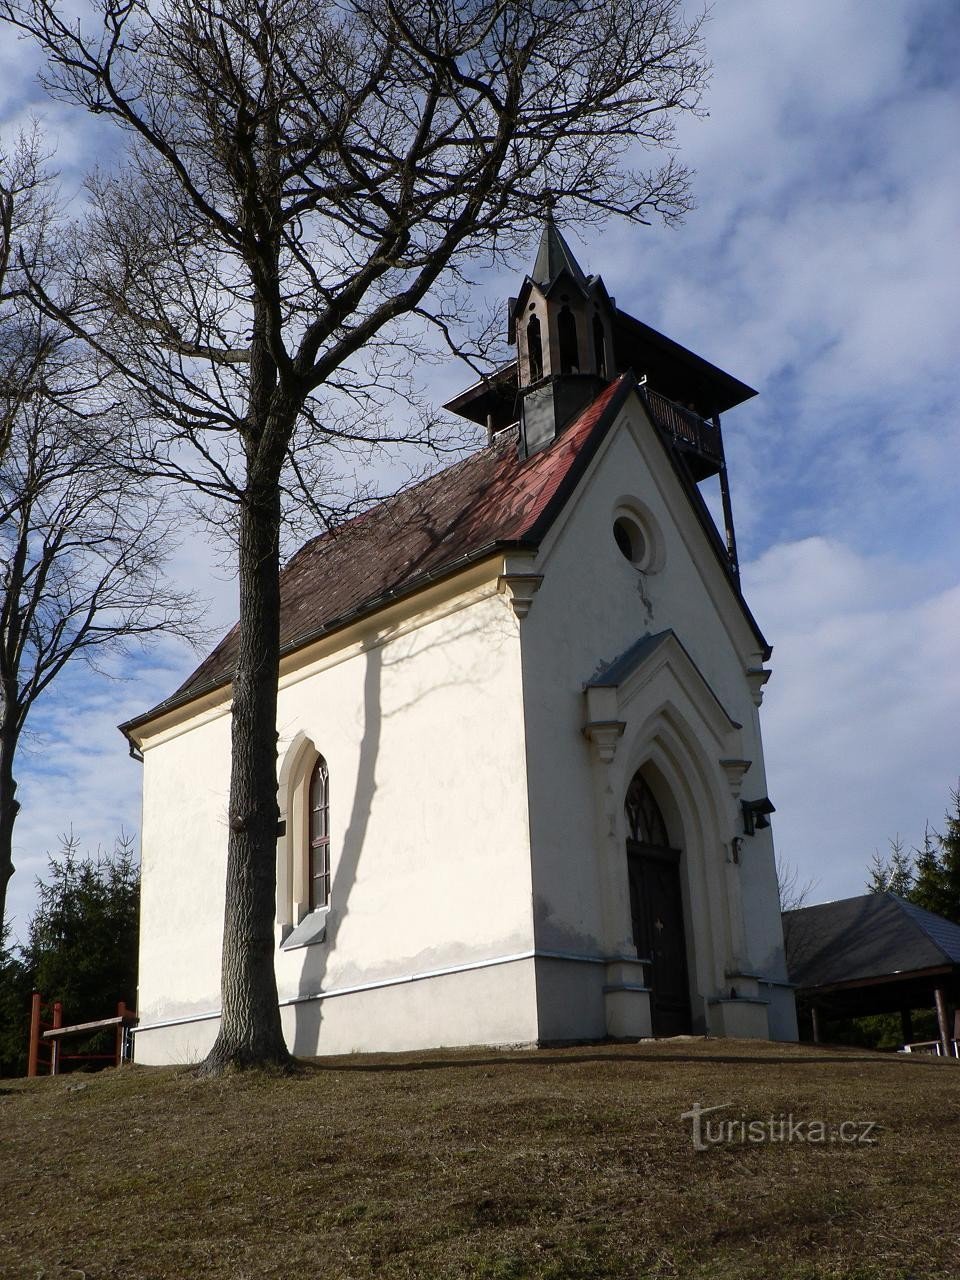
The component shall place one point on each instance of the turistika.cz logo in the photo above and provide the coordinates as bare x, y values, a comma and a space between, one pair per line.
781, 1128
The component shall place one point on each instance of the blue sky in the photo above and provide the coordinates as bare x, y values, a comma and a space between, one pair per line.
820, 267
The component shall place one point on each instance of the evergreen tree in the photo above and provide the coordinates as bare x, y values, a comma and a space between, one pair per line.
82, 943
81, 946
894, 874
937, 886
14, 1008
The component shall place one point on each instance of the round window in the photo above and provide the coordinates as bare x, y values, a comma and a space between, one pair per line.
629, 538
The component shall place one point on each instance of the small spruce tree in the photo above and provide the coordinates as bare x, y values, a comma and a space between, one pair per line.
894, 874
82, 942
14, 1008
937, 886
81, 946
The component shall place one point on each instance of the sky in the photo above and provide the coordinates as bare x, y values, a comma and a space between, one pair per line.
820, 267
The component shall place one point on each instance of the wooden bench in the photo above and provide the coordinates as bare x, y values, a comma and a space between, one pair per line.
52, 1034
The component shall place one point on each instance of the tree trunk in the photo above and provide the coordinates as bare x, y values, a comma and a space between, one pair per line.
9, 808
250, 1030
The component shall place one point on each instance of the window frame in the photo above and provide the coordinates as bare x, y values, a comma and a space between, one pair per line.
304, 873
318, 837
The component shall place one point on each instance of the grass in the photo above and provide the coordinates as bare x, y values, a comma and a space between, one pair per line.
567, 1164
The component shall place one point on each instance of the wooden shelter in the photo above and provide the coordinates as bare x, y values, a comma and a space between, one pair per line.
876, 953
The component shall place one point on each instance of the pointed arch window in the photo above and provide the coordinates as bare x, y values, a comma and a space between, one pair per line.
318, 872
567, 338
599, 347
645, 822
534, 349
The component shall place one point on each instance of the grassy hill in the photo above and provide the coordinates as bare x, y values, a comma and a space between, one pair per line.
567, 1164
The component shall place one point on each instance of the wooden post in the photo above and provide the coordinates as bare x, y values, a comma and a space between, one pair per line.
121, 1031
815, 1021
55, 1043
941, 1001
33, 1053
906, 1025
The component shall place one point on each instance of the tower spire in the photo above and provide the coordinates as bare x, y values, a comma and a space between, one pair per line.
554, 254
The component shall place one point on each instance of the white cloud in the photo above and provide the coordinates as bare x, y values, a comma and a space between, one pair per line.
860, 718
74, 768
819, 268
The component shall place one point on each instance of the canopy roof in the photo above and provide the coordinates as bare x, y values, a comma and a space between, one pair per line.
871, 954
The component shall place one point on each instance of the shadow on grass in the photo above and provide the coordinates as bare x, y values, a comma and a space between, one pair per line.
533, 1060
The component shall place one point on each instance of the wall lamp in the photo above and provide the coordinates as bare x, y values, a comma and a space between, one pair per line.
756, 815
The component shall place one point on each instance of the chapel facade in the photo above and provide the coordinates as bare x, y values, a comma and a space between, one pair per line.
520, 772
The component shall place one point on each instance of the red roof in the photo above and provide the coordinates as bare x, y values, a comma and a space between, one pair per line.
492, 499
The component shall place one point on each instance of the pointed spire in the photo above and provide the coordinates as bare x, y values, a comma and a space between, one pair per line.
554, 255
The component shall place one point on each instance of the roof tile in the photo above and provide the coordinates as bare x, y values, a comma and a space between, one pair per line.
491, 498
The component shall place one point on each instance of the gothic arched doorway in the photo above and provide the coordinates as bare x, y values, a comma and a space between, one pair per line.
656, 907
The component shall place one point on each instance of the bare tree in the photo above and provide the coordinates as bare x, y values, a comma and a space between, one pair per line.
25, 218
793, 891
81, 542
303, 178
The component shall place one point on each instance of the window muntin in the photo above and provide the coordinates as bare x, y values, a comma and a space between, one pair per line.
318, 870
645, 822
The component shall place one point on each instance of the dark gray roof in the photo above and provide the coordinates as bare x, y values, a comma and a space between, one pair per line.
615, 672
944, 933
874, 936
554, 256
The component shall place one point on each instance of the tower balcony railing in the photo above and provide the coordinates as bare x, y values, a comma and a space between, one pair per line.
686, 427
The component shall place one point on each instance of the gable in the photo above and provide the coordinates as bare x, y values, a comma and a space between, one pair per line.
618, 683
686, 586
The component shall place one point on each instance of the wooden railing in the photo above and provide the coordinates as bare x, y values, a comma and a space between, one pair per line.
39, 1045
48, 1036
686, 427
933, 1046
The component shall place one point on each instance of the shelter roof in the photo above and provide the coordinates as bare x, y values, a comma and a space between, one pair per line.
876, 935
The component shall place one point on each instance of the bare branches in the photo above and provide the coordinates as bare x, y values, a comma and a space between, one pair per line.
302, 178
303, 173
83, 541
792, 890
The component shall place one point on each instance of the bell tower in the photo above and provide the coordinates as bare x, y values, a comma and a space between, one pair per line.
571, 341
562, 324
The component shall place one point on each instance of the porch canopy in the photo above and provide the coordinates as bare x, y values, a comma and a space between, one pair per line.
876, 953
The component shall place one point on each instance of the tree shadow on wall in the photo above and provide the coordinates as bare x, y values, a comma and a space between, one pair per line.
457, 671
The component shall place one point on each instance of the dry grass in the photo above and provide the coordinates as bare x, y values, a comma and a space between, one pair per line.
562, 1164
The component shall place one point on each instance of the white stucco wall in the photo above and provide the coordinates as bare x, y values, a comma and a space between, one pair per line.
591, 607
479, 886
420, 722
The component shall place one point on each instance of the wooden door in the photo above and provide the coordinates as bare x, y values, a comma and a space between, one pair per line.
656, 904
656, 908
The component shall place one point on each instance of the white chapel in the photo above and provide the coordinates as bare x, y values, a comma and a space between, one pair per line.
520, 768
